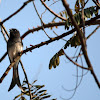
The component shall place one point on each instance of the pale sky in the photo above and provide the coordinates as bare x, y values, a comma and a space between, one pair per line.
36, 63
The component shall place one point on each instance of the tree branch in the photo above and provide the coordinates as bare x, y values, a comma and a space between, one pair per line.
42, 23
3, 56
26, 79
92, 21
62, 18
25, 3
76, 63
82, 41
83, 19
2, 26
89, 22
96, 3
93, 32
8, 69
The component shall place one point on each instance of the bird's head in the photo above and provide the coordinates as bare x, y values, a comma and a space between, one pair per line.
14, 33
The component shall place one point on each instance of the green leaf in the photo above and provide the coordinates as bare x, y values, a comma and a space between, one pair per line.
46, 97
50, 65
39, 86
61, 52
66, 14
36, 92
87, 13
17, 96
42, 91
74, 41
55, 59
23, 98
67, 25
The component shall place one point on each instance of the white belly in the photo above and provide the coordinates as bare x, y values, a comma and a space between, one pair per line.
14, 50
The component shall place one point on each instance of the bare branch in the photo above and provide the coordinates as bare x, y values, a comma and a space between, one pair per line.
49, 6
82, 41
42, 23
76, 63
25, 3
8, 69
2, 26
92, 21
96, 3
62, 18
26, 79
3, 56
93, 32
4, 35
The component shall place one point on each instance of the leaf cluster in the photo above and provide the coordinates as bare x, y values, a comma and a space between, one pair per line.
37, 93
54, 62
88, 13
74, 41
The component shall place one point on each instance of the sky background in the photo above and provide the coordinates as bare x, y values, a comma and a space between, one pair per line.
36, 63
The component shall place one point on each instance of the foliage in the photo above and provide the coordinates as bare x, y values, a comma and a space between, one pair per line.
37, 92
74, 41
55, 59
88, 13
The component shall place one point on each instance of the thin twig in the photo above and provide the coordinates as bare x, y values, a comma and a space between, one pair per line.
49, 6
3, 56
75, 62
62, 18
42, 23
58, 35
25, 3
2, 31
93, 32
26, 79
2, 26
86, 2
82, 75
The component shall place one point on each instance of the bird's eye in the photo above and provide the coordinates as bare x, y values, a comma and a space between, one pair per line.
15, 30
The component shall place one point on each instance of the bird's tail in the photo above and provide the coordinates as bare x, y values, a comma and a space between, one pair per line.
15, 78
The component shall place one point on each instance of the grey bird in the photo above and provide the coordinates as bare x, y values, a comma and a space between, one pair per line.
14, 47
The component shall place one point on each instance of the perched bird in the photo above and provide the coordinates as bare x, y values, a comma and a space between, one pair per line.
14, 47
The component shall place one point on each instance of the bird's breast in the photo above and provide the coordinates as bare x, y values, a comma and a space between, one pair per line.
14, 50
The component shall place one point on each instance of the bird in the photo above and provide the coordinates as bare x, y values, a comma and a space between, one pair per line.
14, 48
